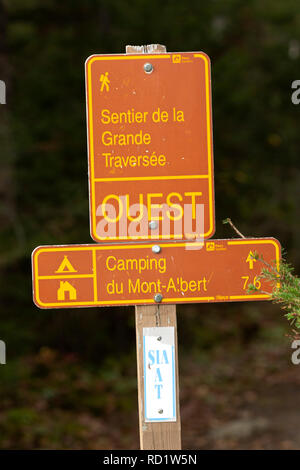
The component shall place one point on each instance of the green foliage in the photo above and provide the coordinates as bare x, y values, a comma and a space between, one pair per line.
285, 289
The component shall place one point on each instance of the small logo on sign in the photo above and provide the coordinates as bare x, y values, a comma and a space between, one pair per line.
104, 80
176, 59
210, 246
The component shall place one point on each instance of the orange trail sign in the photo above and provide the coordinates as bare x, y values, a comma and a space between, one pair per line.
150, 148
133, 274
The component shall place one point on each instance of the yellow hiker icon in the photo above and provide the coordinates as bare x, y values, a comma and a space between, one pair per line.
104, 81
66, 288
66, 267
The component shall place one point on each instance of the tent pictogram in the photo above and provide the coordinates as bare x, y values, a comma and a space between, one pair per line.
66, 267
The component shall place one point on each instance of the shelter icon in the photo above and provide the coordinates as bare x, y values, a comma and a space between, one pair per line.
64, 289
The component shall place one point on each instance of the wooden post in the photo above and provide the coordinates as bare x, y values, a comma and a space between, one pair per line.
156, 436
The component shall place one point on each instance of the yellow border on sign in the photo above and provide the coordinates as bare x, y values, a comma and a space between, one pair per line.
238, 297
95, 276
209, 146
95, 248
94, 180
67, 276
143, 178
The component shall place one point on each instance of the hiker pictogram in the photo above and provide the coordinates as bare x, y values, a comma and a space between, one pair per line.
104, 81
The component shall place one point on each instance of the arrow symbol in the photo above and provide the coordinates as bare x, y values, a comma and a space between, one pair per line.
250, 259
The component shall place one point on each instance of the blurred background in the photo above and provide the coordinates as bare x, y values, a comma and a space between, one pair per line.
70, 377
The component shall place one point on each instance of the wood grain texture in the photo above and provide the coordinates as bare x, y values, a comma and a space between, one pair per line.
149, 49
156, 436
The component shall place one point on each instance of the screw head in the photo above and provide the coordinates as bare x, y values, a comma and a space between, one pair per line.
158, 298
148, 67
156, 249
152, 224
159, 338
161, 411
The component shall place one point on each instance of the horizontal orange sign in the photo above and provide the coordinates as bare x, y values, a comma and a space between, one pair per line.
150, 146
107, 275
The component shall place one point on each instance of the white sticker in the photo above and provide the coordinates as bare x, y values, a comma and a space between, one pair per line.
159, 374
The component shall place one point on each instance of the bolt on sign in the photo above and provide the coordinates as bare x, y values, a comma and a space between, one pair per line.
150, 146
104, 275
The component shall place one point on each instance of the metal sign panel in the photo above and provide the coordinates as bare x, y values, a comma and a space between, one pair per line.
150, 146
132, 274
159, 374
